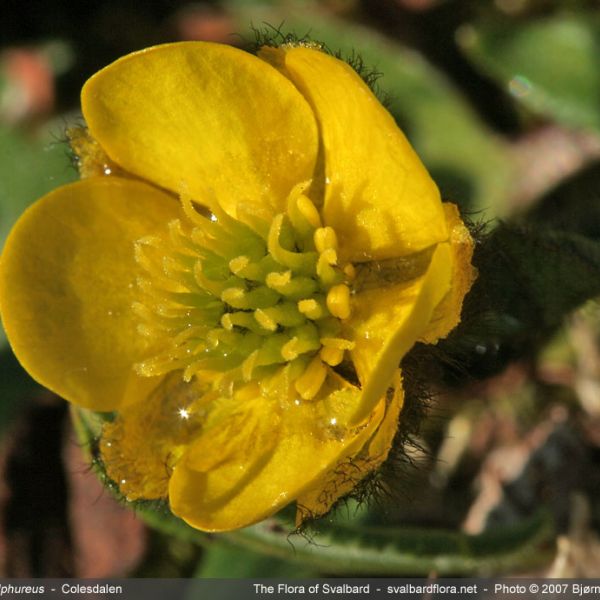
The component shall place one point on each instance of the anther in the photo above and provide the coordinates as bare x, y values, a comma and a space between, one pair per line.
332, 356
303, 219
306, 339
325, 239
309, 211
277, 280
237, 264
337, 342
328, 275
350, 272
290, 350
245, 320
261, 297
284, 313
310, 382
293, 288
265, 320
338, 301
312, 308
248, 366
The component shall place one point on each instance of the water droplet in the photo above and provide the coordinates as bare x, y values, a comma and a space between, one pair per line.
213, 218
109, 313
333, 421
123, 481
519, 86
480, 349
107, 170
297, 402
327, 180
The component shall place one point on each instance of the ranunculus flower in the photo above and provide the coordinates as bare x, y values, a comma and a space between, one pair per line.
254, 248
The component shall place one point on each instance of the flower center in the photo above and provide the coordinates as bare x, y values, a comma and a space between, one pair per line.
222, 296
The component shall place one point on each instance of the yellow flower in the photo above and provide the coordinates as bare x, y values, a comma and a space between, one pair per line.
250, 347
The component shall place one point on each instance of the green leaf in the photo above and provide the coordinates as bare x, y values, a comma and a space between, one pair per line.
529, 280
232, 562
470, 164
29, 168
551, 65
539, 276
573, 206
346, 549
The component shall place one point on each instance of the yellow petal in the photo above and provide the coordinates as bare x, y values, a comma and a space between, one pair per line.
387, 321
381, 442
447, 314
343, 478
259, 454
67, 282
207, 120
143, 444
379, 197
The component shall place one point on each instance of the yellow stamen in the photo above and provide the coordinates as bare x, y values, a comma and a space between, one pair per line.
284, 313
335, 342
325, 239
350, 272
292, 288
265, 320
309, 211
277, 280
332, 356
241, 299
231, 300
290, 350
310, 382
306, 339
338, 301
238, 264
311, 308
248, 366
245, 320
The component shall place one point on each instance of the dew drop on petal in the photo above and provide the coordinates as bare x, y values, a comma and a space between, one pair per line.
519, 86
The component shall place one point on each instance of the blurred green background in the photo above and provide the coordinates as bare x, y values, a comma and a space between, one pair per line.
501, 99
